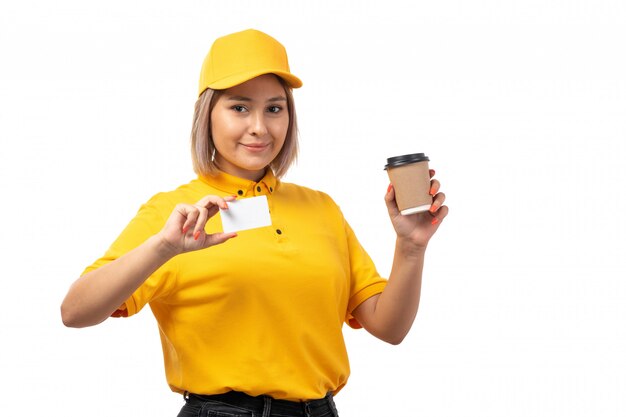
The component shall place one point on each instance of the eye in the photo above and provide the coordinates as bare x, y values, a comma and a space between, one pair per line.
274, 109
239, 108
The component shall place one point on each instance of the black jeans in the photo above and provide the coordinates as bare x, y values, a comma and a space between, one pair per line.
237, 404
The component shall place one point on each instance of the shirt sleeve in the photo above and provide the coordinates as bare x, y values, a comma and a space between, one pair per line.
148, 221
365, 281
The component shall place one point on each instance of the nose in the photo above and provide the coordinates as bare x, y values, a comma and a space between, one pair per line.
257, 124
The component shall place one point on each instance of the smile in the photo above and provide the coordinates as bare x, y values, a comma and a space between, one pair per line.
256, 147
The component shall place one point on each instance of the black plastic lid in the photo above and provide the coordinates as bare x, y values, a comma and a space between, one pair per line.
397, 161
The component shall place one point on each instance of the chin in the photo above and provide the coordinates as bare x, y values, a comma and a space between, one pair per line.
254, 164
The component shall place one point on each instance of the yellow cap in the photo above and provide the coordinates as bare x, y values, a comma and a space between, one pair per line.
241, 56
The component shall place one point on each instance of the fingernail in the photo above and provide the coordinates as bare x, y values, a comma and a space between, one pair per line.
185, 230
196, 235
432, 191
433, 208
389, 188
435, 221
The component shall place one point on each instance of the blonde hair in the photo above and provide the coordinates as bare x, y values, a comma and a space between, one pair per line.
203, 148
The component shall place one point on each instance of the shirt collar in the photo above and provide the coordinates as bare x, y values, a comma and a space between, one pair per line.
242, 187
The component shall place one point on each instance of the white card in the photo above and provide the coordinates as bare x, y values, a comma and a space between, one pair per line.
247, 213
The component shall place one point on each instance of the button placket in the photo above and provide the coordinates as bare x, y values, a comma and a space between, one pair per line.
278, 230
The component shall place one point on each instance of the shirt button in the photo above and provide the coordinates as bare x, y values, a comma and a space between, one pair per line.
280, 232
240, 192
258, 188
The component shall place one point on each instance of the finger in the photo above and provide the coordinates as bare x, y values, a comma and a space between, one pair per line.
203, 216
390, 200
190, 213
213, 200
434, 187
431, 172
212, 211
441, 214
218, 238
437, 202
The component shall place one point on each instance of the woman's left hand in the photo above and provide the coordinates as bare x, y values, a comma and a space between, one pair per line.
418, 228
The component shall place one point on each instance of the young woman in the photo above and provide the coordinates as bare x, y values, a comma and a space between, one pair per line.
251, 323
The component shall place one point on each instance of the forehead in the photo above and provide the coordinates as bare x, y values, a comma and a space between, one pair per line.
261, 87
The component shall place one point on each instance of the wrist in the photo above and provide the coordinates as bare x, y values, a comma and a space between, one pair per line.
162, 248
409, 249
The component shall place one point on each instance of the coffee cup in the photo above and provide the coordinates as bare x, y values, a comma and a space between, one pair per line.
411, 181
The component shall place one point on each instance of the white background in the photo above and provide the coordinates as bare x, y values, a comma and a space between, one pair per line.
520, 105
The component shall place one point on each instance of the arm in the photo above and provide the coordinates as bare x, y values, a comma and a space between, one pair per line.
96, 295
390, 315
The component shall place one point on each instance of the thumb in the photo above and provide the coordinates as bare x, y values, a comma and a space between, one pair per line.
390, 200
218, 238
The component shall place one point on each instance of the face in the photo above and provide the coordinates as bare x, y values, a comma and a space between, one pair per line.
249, 125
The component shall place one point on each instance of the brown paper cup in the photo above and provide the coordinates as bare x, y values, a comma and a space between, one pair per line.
411, 181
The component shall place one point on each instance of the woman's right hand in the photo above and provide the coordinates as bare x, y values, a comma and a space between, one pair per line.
184, 230
96, 295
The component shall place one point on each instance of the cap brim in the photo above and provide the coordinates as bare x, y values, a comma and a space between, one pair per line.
233, 80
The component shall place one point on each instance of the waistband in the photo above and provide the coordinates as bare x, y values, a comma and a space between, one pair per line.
265, 405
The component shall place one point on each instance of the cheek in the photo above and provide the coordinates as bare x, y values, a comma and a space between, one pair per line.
223, 128
279, 130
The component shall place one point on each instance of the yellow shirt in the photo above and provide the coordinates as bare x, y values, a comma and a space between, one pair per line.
263, 312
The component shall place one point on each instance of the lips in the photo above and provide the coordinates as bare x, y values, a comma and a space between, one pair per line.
256, 147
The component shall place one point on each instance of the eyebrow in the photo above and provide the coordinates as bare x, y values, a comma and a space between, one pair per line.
242, 98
